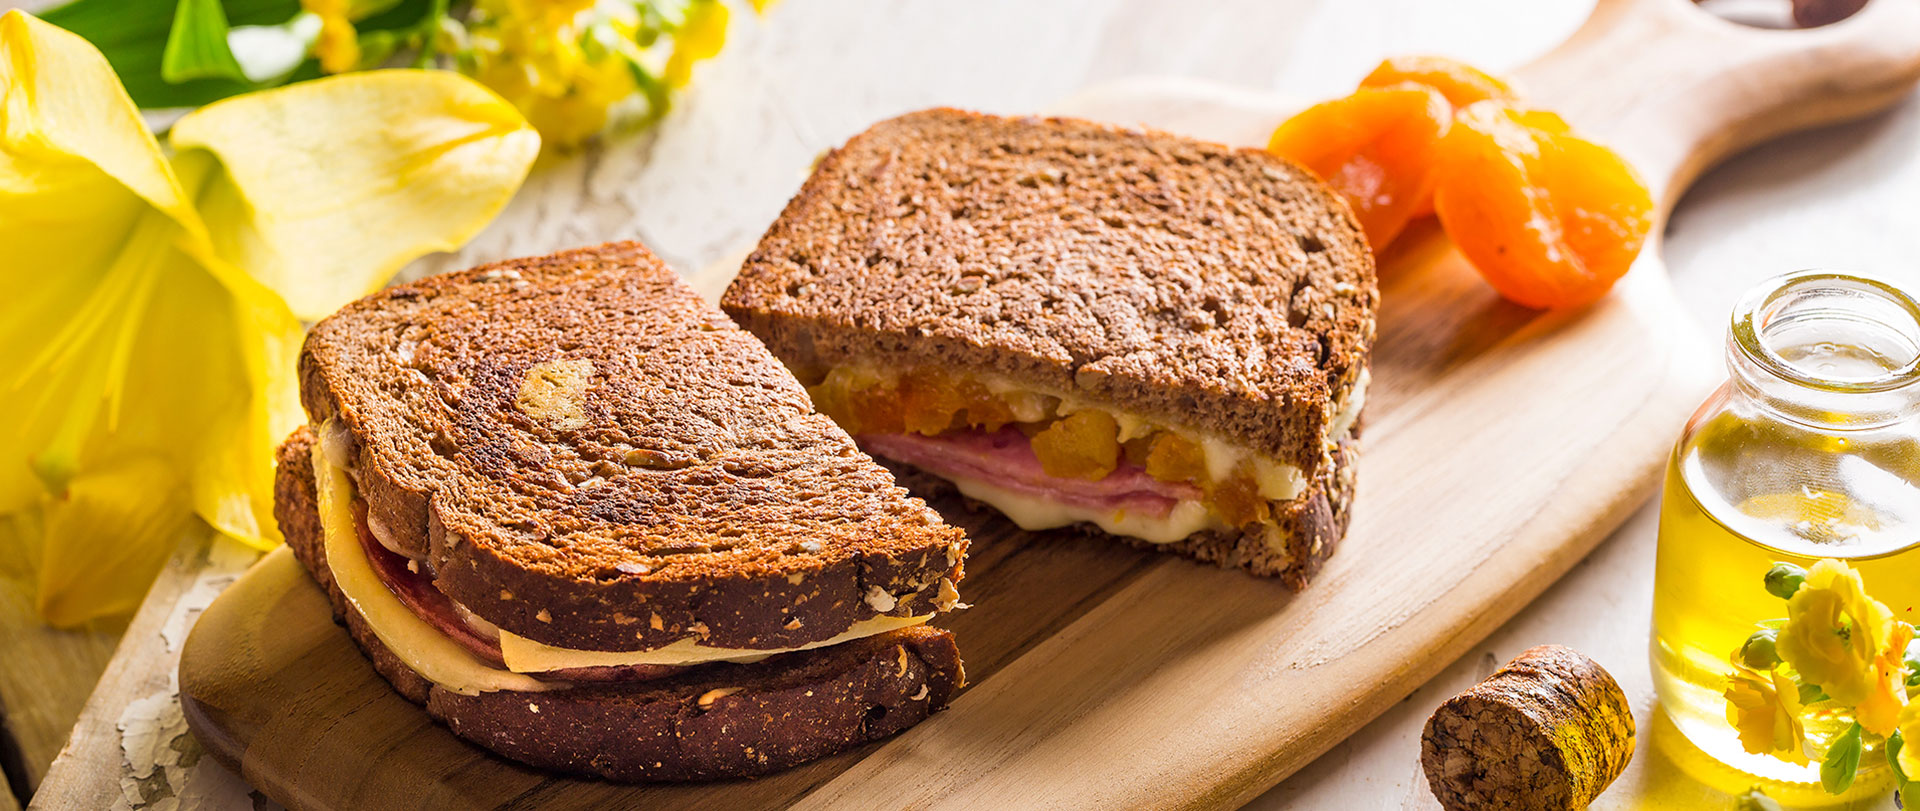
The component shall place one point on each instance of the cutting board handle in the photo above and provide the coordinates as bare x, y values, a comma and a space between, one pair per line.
1675, 88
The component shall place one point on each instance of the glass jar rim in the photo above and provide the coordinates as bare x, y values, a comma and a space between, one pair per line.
1749, 329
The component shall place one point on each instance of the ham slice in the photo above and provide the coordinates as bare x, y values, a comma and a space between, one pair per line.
415, 591
1005, 459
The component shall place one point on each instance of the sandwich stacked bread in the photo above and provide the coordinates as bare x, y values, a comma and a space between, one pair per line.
1163, 339
593, 526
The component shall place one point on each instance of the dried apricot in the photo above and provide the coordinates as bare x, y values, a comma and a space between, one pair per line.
927, 404
1238, 501
1461, 83
984, 409
1081, 445
1549, 219
1375, 147
1174, 458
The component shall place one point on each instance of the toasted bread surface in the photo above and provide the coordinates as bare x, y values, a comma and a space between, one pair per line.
714, 721
1223, 289
590, 456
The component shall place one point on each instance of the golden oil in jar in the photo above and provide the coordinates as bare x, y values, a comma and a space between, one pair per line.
1810, 451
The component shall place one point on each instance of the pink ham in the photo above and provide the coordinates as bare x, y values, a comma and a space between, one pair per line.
1005, 459
415, 590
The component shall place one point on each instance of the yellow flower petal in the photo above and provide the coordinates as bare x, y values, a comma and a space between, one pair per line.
107, 538
183, 359
1879, 712
1835, 631
1765, 709
76, 161
699, 37
330, 186
133, 351
63, 100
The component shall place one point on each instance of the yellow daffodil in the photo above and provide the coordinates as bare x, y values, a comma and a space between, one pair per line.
701, 36
150, 343
338, 46
1765, 708
1835, 632
1910, 734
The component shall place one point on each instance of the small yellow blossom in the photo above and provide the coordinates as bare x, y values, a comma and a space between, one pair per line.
1765, 708
1835, 633
531, 53
338, 46
547, 14
700, 37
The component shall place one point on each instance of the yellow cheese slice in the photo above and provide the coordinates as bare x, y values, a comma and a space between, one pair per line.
524, 655
421, 646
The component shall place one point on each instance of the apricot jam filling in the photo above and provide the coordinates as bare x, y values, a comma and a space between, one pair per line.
1069, 438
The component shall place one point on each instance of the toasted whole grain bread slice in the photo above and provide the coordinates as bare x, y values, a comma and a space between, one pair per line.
714, 721
588, 455
1216, 288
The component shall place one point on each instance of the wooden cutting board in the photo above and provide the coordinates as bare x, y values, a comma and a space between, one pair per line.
1501, 445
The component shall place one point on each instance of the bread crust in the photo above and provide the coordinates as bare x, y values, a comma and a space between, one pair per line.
757, 718
1215, 288
687, 489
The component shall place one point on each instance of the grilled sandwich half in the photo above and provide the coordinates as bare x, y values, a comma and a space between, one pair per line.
1080, 325
592, 525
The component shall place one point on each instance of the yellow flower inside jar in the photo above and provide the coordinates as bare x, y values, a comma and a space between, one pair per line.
1809, 457
1765, 710
1834, 632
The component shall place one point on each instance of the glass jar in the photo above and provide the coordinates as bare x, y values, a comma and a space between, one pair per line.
1811, 450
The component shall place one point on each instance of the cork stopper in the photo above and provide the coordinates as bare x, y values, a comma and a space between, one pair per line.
1550, 730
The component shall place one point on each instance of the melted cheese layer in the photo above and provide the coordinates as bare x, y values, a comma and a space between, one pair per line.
1033, 513
524, 655
415, 641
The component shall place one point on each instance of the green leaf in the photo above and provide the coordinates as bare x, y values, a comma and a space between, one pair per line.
396, 14
197, 44
1895, 743
133, 35
1910, 795
659, 96
1842, 763
1811, 694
